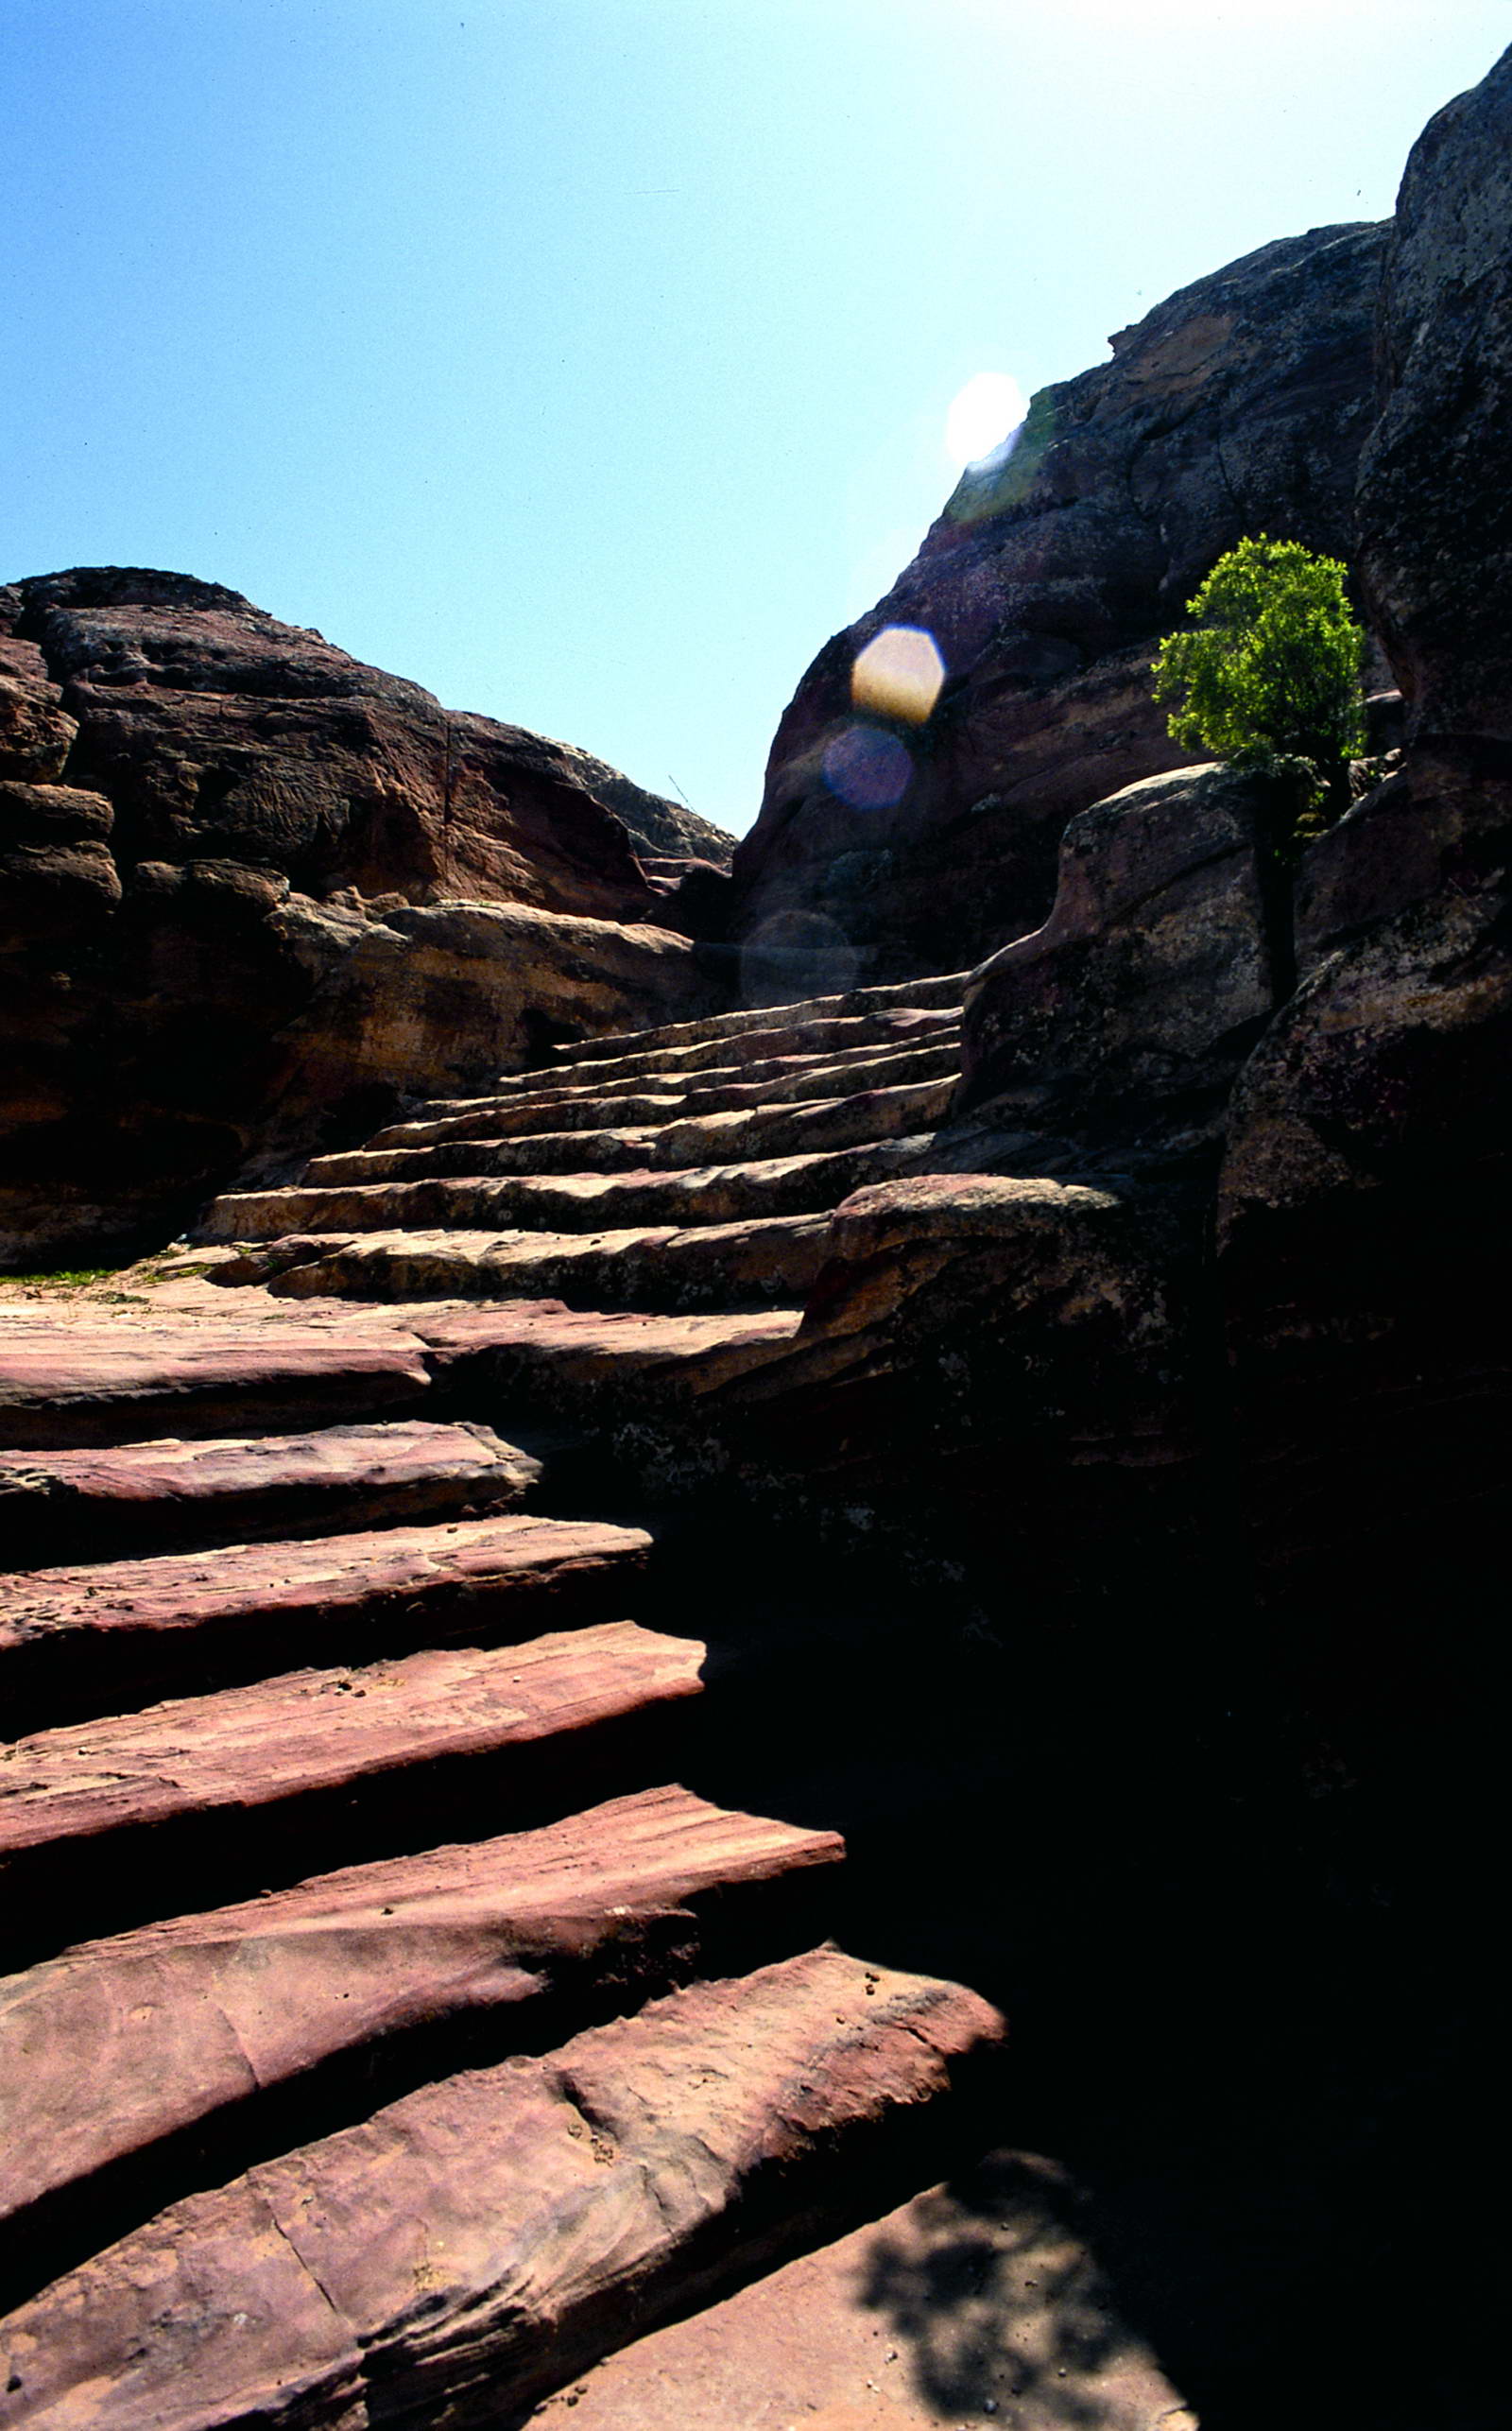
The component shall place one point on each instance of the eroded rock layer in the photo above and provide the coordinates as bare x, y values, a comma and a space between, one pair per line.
887, 843
231, 859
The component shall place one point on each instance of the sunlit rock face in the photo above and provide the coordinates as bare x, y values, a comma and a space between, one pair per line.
219, 733
923, 842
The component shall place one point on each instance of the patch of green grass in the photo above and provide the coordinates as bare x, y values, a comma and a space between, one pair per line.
66, 1278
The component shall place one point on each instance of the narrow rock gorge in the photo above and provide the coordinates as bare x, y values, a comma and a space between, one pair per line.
739, 1701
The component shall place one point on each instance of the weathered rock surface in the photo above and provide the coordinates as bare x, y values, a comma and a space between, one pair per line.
1435, 520
116, 2047
1166, 952
90, 1638
227, 932
36, 732
1366, 1175
1015, 1353
107, 1382
566, 1201
776, 1259
231, 1791
473, 2244
983, 2297
1238, 405
221, 734
151, 1497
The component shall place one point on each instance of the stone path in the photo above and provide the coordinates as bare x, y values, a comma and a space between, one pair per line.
389, 2035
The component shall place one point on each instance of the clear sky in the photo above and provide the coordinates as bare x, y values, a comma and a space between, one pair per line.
590, 361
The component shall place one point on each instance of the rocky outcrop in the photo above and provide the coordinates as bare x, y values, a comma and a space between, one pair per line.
1434, 514
220, 735
226, 936
890, 843
1166, 953
1366, 1181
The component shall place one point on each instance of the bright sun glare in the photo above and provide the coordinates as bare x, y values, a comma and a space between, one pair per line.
981, 415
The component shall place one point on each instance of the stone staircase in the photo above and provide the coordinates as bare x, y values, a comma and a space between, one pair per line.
405, 2008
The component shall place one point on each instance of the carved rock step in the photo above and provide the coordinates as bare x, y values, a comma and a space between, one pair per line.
948, 989
651, 1100
154, 1497
808, 1127
568, 1202
205, 1798
92, 1639
906, 1027
710, 1266
472, 2245
113, 1381
113, 2050
145, 1379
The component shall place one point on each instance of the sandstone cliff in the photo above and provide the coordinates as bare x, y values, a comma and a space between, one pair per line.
1238, 405
225, 848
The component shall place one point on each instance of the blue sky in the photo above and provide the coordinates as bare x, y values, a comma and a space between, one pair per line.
589, 360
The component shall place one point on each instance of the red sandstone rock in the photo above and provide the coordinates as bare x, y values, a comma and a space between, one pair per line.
1237, 406
87, 1640
94, 1382
35, 730
220, 733
1163, 957
150, 1498
118, 2046
97, 1817
649, 1099
471, 2245
776, 1259
270, 833
566, 1201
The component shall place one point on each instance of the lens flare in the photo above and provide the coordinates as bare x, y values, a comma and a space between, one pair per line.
867, 767
899, 674
982, 415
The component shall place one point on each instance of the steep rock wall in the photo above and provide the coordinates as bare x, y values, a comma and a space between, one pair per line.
1238, 405
231, 859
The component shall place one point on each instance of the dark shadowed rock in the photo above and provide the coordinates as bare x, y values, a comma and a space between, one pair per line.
221, 734
1363, 1202
226, 935
1238, 405
1163, 957
1435, 512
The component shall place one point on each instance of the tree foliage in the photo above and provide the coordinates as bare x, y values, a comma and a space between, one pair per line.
1271, 668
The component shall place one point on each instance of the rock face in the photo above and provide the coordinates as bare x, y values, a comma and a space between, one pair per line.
1435, 519
1363, 1192
1166, 953
220, 735
1238, 405
227, 933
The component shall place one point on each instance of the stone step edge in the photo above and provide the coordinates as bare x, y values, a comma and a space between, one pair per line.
178, 2048
244, 1789
943, 989
784, 1254
87, 1639
642, 2166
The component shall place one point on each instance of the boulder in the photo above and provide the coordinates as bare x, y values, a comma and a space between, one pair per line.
896, 842
57, 872
35, 731
220, 733
1164, 957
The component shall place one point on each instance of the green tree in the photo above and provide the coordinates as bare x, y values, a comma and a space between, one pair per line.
1271, 670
